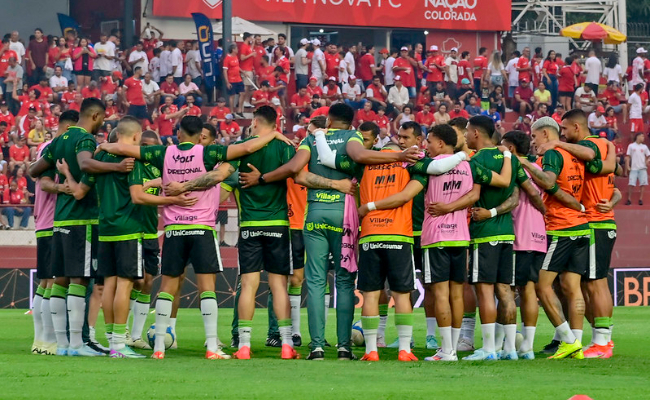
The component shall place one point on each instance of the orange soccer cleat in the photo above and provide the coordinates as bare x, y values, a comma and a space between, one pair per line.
372, 356
597, 351
243, 353
289, 353
159, 355
406, 356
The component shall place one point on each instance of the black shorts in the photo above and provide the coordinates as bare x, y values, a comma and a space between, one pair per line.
527, 266
516, 106
151, 256
44, 254
386, 261
198, 246
417, 253
491, 262
297, 249
236, 88
222, 217
567, 254
139, 112
121, 258
601, 245
74, 251
565, 94
83, 72
443, 264
265, 248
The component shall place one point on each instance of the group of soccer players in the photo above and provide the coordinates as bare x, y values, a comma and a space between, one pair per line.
467, 211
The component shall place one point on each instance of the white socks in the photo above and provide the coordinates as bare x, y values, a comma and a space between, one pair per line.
295, 314
529, 339
455, 334
140, 312
511, 336
499, 334
48, 327
578, 334
564, 332
370, 332
59, 321
37, 317
76, 311
447, 339
285, 334
404, 334
381, 330
487, 330
163, 313
209, 311
467, 329
432, 324
244, 336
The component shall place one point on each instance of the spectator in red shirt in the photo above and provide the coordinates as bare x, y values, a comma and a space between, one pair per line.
425, 118
567, 83
367, 69
112, 113
76, 103
313, 87
27, 101
557, 115
382, 121
458, 111
247, 65
549, 71
424, 97
261, 97
612, 123
170, 88
366, 114
301, 102
220, 111
230, 130
332, 61
6, 116
91, 91
5, 54
134, 95
331, 91
480, 66
613, 96
523, 65
376, 94
234, 82
464, 67
15, 197
47, 95
192, 109
524, 99
403, 68
82, 58
19, 154
166, 121
435, 66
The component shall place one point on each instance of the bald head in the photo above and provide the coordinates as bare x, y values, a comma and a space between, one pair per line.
129, 130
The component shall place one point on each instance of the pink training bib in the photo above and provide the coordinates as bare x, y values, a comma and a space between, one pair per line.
528, 222
447, 188
182, 166
45, 202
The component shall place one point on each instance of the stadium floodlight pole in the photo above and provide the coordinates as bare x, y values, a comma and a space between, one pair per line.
226, 34
622, 27
127, 38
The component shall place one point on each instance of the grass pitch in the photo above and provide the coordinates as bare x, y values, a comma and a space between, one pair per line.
184, 374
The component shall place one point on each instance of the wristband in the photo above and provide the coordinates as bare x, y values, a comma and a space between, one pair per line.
371, 206
493, 212
582, 208
261, 180
507, 154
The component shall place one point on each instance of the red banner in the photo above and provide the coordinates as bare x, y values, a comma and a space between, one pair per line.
469, 15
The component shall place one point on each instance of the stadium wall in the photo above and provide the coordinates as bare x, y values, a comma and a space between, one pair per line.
20, 16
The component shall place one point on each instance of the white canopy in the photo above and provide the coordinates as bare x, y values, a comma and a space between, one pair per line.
240, 25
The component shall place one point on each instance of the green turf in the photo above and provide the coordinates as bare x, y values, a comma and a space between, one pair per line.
184, 374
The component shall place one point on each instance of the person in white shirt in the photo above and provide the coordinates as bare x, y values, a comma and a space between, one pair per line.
176, 62
585, 98
16, 45
513, 73
598, 123
613, 70
151, 90
138, 58
154, 65
103, 65
58, 82
398, 95
352, 94
165, 62
635, 109
451, 72
636, 161
301, 64
389, 74
343, 70
637, 69
318, 62
193, 63
350, 61
593, 69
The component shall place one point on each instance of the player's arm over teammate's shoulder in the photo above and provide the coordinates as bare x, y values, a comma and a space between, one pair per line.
78, 190
467, 200
485, 176
89, 165
203, 182
251, 146
313, 181
48, 184
141, 197
552, 165
411, 190
481, 214
359, 154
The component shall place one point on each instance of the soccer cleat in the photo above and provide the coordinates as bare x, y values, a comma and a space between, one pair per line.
48, 349
526, 355
93, 344
578, 355
395, 344
289, 353
158, 355
273, 341
84, 351
372, 356
244, 353
611, 344
596, 351
465, 345
327, 344
61, 351
552, 347
234, 342
36, 347
297, 340
125, 352
217, 355
345, 354
567, 349
432, 342
317, 354
508, 356
482, 355
440, 356
139, 344
406, 356
128, 334
381, 341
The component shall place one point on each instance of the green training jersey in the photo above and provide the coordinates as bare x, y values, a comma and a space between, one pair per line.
212, 155
596, 165
118, 215
264, 205
70, 211
500, 227
147, 215
337, 139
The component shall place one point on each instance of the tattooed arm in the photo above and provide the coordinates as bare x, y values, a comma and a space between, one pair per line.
544, 179
203, 182
313, 181
481, 214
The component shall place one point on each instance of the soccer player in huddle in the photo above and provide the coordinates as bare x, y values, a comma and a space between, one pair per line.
190, 234
47, 189
74, 237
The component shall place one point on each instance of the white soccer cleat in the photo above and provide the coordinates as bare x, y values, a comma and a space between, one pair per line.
465, 345
482, 355
138, 344
440, 356
83, 351
526, 355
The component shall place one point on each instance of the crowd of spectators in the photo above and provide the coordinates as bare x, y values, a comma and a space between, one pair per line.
159, 81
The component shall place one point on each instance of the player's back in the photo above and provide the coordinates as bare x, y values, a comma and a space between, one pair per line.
147, 215
44, 203
379, 182
528, 222
265, 203
570, 179
598, 187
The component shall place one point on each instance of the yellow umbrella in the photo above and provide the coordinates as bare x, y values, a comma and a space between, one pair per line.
594, 31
